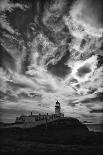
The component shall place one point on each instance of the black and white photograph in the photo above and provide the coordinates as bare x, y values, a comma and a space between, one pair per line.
51, 77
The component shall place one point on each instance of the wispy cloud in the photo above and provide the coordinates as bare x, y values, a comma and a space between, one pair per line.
44, 63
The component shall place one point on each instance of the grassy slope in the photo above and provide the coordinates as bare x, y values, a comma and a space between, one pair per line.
60, 137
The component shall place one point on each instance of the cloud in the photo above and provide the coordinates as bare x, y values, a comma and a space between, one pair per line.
29, 96
6, 5
83, 70
96, 111
89, 12
41, 64
7, 60
98, 97
60, 69
5, 25
8, 96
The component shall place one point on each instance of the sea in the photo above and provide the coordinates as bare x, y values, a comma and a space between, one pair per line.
95, 127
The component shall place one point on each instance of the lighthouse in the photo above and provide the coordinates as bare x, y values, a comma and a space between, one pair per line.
57, 108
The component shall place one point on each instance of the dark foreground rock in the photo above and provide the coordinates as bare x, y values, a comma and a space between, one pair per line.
61, 137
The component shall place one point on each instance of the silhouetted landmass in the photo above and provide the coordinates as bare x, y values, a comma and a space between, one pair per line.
60, 137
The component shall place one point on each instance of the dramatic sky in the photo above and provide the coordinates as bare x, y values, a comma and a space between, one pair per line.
51, 50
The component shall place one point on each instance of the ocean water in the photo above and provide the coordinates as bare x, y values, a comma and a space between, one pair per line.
95, 127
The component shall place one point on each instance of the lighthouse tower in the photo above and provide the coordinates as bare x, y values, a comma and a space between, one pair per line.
57, 108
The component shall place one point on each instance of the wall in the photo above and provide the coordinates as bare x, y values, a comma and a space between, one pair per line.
30, 124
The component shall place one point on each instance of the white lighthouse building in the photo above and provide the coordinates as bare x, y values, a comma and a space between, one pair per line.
57, 108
